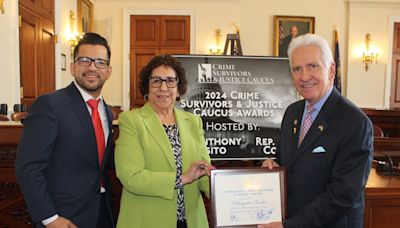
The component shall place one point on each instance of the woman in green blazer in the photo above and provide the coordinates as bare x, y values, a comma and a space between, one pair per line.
161, 157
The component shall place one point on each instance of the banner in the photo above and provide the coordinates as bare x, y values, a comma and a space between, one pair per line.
241, 101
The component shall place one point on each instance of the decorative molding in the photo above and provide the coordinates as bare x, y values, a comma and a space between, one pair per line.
8, 157
375, 2
21, 214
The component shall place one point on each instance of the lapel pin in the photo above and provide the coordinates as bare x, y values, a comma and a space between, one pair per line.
321, 128
294, 130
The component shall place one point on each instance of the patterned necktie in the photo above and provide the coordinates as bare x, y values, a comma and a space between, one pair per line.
307, 123
98, 128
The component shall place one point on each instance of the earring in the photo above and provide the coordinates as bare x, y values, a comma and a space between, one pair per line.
178, 98
146, 97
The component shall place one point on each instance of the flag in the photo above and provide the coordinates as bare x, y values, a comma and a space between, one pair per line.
338, 75
280, 33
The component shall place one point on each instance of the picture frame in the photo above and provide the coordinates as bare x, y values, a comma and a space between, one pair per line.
246, 197
85, 16
284, 26
63, 62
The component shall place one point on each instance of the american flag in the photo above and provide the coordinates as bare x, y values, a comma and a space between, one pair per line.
338, 75
280, 33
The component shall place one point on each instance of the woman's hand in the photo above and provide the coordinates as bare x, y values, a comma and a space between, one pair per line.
196, 170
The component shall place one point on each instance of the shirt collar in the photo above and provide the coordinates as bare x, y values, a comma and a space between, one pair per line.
85, 95
321, 102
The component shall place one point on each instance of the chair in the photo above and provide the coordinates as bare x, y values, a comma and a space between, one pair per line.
18, 116
378, 132
4, 118
115, 110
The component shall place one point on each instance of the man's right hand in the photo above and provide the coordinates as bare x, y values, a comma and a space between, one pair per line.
269, 163
61, 222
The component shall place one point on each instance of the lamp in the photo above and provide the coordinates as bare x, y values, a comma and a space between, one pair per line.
73, 37
2, 10
237, 27
73, 41
217, 50
369, 55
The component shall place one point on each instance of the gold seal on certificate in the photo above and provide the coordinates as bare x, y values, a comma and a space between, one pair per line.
246, 197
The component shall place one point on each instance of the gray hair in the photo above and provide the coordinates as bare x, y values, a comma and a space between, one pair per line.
312, 40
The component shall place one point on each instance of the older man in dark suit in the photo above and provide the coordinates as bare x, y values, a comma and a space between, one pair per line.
326, 145
65, 149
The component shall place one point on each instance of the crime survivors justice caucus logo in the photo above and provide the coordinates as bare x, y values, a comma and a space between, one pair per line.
228, 74
204, 70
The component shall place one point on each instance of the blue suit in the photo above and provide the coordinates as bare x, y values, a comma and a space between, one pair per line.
328, 172
57, 163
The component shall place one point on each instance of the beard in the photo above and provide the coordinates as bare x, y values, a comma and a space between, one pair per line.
88, 84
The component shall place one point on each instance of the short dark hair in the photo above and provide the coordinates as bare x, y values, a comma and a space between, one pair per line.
163, 60
94, 39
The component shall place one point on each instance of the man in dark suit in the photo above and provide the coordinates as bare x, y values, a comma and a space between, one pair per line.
66, 147
328, 165
283, 47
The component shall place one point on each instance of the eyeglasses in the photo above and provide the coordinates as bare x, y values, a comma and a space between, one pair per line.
311, 67
171, 82
86, 61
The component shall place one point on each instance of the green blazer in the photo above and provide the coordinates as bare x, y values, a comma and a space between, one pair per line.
145, 165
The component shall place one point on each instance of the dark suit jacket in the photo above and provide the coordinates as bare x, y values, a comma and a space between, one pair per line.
57, 162
326, 189
283, 47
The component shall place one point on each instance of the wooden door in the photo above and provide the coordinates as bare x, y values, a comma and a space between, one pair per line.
175, 31
395, 82
46, 58
139, 58
37, 49
46, 9
28, 39
395, 92
152, 35
396, 38
145, 31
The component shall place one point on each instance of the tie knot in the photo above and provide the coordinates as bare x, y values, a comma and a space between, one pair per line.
310, 108
93, 103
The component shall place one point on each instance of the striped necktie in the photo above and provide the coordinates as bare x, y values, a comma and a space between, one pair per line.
307, 122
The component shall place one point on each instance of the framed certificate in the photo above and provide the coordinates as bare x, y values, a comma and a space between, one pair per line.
246, 197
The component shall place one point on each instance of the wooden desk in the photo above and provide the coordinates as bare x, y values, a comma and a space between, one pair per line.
13, 211
387, 119
384, 147
382, 201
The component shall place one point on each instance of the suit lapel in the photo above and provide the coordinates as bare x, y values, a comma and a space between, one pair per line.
185, 128
297, 125
319, 125
157, 131
82, 113
109, 137
314, 132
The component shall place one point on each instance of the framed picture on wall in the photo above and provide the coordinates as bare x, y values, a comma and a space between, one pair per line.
85, 16
63, 62
288, 27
